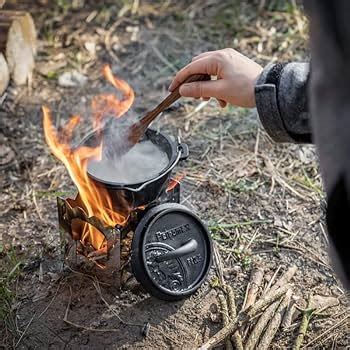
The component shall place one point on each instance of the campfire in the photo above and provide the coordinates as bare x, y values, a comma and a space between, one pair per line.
114, 220
94, 201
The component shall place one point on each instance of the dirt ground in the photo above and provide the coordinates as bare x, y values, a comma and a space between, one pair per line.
262, 201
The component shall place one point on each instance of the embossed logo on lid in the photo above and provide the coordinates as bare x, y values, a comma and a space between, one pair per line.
171, 252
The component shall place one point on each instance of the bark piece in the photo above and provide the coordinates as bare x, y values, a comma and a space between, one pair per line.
321, 302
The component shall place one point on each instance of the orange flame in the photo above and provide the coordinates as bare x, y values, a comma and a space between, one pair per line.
174, 181
107, 104
96, 200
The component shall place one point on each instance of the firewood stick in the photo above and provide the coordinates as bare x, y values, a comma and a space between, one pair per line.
225, 319
256, 278
285, 278
288, 316
275, 322
245, 316
303, 324
260, 325
7, 17
222, 334
271, 296
253, 287
18, 43
271, 280
236, 336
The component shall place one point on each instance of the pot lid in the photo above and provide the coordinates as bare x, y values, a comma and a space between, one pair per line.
171, 251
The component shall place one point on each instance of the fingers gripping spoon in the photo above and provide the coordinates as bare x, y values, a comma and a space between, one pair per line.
137, 130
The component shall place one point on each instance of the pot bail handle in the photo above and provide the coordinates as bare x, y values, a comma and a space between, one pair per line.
183, 148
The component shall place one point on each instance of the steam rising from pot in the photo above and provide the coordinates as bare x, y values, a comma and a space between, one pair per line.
142, 162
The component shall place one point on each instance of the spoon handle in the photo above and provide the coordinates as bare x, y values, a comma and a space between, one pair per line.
170, 99
138, 129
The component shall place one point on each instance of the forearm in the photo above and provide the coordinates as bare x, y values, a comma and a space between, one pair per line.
282, 103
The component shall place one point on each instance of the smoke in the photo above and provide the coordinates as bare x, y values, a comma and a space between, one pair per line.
115, 140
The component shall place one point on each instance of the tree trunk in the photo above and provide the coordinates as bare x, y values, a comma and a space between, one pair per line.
4, 74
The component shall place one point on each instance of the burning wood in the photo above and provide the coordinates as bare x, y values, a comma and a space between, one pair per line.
96, 201
174, 181
74, 220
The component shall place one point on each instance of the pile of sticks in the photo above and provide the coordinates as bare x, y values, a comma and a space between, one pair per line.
263, 313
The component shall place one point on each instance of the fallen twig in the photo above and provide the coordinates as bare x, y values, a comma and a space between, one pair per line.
270, 297
260, 325
38, 317
275, 322
225, 319
218, 265
24, 332
236, 336
98, 290
327, 331
244, 316
272, 279
288, 315
107, 39
304, 324
285, 278
256, 278
172, 68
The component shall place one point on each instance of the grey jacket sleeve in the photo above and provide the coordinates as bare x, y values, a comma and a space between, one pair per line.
282, 104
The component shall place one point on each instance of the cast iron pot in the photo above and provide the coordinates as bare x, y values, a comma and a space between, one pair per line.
131, 196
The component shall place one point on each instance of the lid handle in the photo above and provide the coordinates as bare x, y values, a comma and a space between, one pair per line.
185, 249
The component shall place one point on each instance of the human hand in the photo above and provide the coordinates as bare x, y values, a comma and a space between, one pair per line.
236, 77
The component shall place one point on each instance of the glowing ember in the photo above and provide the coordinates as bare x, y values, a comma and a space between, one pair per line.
96, 200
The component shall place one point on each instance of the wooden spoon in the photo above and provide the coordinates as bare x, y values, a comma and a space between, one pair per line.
138, 129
